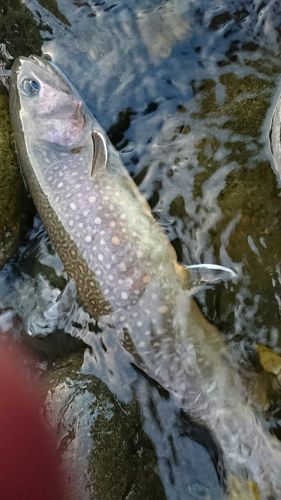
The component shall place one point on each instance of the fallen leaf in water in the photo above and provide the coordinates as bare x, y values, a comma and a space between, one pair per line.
270, 361
240, 489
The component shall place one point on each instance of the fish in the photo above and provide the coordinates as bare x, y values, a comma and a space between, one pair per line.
125, 269
275, 136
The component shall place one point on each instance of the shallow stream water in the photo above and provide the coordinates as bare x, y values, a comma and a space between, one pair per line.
185, 90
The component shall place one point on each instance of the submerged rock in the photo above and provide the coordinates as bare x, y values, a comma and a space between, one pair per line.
19, 29
107, 453
11, 186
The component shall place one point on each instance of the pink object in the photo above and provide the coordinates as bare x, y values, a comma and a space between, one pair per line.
29, 467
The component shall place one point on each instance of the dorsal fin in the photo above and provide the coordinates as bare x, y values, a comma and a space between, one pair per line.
100, 152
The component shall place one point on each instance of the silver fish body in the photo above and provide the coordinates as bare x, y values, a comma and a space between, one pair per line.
123, 265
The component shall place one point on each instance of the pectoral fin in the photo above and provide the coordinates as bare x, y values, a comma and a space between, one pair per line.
211, 273
44, 321
195, 276
100, 152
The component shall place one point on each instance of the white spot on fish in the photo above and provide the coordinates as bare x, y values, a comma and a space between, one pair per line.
122, 266
115, 240
163, 309
146, 278
139, 323
88, 238
124, 295
92, 199
112, 223
100, 257
97, 220
72, 206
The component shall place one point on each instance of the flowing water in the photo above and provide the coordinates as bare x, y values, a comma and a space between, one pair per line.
185, 90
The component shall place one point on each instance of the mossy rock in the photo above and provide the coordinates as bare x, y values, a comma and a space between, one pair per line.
19, 30
107, 453
11, 187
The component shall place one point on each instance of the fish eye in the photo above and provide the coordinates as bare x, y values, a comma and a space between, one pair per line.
30, 87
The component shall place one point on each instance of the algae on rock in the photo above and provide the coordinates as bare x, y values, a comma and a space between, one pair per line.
19, 30
11, 186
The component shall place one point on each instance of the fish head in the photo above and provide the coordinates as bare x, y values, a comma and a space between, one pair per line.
46, 104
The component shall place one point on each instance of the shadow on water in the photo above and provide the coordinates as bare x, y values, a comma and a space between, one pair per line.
183, 89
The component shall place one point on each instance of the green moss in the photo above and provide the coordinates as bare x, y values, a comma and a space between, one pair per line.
11, 186
242, 114
177, 207
206, 149
19, 30
235, 85
239, 152
208, 101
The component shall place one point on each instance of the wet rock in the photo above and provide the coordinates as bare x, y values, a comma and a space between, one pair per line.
11, 187
19, 30
52, 6
101, 440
